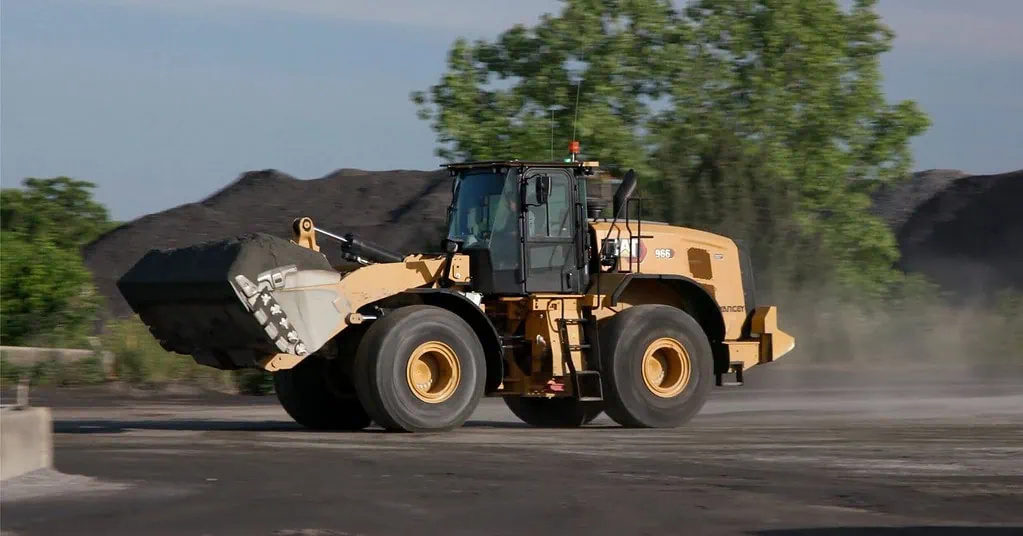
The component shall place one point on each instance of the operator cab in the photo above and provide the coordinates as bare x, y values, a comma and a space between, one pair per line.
523, 225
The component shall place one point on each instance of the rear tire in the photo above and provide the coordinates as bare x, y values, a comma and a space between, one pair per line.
305, 393
420, 369
656, 366
553, 412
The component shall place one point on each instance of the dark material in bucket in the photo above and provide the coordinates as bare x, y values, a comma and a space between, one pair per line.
186, 298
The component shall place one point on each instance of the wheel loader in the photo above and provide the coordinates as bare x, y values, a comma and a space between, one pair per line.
564, 303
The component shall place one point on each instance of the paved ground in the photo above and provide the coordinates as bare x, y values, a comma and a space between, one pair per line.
790, 453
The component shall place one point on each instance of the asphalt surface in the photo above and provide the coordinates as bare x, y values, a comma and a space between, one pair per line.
790, 453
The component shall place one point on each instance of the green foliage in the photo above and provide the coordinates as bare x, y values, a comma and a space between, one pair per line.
10, 373
86, 371
59, 210
140, 360
622, 53
254, 382
798, 108
46, 293
758, 118
53, 372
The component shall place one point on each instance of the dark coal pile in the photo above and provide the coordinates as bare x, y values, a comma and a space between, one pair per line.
895, 204
968, 237
400, 210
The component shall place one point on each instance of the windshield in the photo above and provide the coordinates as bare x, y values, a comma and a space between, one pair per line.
484, 202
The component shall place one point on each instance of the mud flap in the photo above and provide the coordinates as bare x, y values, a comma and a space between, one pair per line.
231, 303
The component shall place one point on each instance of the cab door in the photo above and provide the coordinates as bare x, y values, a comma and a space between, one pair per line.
549, 233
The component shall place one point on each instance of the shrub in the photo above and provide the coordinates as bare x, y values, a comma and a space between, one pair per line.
254, 382
10, 373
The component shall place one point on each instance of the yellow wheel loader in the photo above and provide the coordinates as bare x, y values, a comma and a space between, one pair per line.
539, 296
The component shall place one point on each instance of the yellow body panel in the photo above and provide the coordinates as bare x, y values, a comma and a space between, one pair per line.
708, 259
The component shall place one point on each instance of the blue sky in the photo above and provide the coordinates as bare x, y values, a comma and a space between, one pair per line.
161, 102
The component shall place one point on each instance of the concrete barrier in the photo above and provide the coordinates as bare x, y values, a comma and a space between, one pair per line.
30, 355
26, 440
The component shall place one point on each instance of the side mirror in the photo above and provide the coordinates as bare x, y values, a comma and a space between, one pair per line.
543, 189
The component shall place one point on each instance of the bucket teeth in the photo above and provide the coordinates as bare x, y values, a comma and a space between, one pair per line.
247, 287
260, 299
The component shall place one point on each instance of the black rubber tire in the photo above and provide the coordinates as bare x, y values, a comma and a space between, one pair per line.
623, 342
553, 412
306, 395
380, 369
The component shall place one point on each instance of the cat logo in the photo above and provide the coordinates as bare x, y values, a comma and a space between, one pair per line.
633, 249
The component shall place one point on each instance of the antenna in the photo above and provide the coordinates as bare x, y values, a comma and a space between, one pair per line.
576, 120
552, 134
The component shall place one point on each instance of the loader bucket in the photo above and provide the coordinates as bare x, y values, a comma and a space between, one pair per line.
233, 302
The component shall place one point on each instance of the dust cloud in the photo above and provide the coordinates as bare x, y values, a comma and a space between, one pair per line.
923, 347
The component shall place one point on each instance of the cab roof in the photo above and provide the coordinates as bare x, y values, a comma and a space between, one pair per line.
515, 163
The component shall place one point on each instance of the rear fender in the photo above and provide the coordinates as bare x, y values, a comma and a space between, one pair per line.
695, 300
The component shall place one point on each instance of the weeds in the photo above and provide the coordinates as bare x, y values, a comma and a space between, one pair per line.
138, 360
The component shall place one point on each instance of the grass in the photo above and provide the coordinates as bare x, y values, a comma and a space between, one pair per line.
138, 360
52, 372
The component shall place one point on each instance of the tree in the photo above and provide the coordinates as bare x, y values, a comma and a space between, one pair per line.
61, 209
769, 112
612, 58
798, 84
46, 292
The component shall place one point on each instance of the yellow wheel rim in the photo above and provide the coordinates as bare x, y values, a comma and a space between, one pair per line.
433, 372
666, 368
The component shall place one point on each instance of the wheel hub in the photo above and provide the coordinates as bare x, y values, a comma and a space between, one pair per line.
433, 372
666, 367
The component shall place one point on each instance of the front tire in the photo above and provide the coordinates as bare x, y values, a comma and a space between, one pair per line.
306, 394
656, 365
553, 412
420, 369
